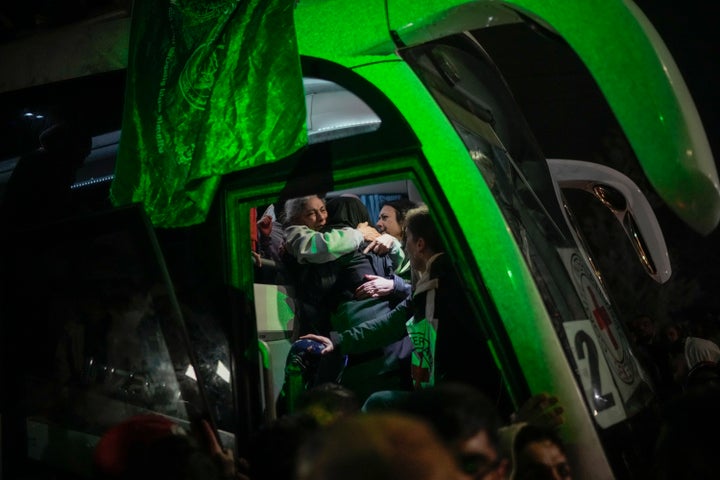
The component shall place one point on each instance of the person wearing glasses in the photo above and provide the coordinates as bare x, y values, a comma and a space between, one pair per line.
468, 424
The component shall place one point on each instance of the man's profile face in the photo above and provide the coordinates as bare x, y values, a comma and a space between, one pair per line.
413, 249
387, 222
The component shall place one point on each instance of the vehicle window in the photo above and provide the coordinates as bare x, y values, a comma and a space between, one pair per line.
91, 334
277, 299
287, 301
467, 88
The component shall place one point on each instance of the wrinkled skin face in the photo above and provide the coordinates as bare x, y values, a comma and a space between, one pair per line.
314, 214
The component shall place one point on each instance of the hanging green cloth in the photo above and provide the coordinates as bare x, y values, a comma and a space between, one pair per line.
213, 86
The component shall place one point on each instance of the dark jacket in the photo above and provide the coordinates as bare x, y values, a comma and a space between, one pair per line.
461, 352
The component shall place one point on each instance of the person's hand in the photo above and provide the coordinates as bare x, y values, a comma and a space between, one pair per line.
265, 225
257, 259
224, 457
329, 347
369, 233
381, 245
374, 287
542, 410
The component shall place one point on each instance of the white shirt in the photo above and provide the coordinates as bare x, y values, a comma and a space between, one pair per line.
309, 246
698, 350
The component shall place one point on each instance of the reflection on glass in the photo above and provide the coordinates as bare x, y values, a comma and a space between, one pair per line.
91, 334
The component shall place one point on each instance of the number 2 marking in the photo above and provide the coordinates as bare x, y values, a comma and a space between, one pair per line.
584, 341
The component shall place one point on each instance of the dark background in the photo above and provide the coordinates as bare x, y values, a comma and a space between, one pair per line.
691, 34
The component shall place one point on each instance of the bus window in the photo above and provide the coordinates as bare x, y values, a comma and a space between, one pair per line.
91, 335
524, 190
279, 306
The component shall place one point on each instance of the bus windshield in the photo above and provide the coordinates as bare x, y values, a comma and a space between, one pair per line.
468, 88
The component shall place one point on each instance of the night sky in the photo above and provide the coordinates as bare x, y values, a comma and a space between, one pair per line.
690, 32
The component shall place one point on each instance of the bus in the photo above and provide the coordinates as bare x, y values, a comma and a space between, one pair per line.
448, 103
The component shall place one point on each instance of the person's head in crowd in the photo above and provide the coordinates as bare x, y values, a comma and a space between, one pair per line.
391, 218
672, 333
272, 449
467, 422
643, 329
147, 447
346, 211
309, 211
536, 453
421, 237
328, 402
381, 446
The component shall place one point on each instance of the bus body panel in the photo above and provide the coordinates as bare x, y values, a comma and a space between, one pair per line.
493, 249
652, 102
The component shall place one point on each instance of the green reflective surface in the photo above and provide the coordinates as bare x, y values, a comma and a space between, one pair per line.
211, 90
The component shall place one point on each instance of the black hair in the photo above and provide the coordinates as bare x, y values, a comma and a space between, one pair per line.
346, 212
273, 448
331, 396
535, 433
456, 411
401, 207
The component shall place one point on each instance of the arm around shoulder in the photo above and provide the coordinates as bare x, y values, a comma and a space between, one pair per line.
309, 246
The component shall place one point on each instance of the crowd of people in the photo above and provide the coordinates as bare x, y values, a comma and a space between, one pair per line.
677, 355
444, 432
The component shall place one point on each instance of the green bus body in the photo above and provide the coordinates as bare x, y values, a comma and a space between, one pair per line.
419, 100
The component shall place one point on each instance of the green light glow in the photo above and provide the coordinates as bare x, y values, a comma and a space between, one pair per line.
358, 30
491, 244
205, 98
615, 41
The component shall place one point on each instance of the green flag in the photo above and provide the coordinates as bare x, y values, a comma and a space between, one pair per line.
213, 86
